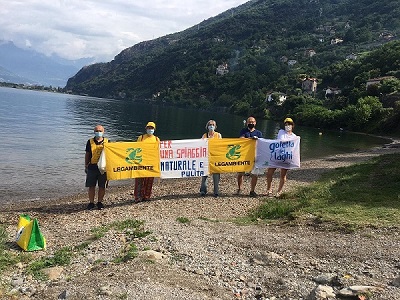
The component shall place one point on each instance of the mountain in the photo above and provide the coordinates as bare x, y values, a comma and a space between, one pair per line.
30, 67
237, 58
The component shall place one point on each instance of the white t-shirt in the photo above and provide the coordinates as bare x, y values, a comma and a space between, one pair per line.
283, 135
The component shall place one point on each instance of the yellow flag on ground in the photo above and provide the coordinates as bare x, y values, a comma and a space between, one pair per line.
231, 155
131, 160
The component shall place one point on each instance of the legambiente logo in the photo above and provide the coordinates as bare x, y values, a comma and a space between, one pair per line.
233, 152
134, 156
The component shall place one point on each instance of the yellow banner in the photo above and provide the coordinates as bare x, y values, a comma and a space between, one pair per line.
231, 155
131, 160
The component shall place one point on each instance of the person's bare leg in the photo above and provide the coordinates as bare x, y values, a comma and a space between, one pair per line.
253, 182
100, 194
270, 174
282, 181
91, 192
240, 181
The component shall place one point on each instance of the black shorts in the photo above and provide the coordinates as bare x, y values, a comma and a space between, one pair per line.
94, 177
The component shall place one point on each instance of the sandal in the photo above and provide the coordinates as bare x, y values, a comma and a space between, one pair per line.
270, 193
278, 195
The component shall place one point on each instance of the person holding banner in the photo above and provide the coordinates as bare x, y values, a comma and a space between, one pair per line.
249, 131
283, 134
94, 147
143, 186
211, 125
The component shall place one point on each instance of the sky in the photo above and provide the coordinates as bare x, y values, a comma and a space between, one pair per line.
100, 29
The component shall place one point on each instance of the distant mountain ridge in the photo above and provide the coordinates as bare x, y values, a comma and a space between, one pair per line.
30, 67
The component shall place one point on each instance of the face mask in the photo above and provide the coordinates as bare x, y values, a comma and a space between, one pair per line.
211, 127
250, 126
150, 131
98, 134
288, 128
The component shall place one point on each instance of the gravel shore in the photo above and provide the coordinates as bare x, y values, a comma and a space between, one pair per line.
209, 256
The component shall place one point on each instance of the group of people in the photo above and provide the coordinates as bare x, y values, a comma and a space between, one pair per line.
143, 186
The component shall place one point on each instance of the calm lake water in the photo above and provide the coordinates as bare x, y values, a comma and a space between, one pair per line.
44, 137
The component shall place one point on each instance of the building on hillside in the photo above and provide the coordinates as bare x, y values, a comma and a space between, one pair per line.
279, 97
377, 81
222, 69
351, 56
309, 52
336, 41
309, 85
331, 92
291, 62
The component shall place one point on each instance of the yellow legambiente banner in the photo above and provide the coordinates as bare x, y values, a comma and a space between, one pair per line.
131, 160
231, 155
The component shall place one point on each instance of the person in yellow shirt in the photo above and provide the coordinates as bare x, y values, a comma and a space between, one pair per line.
94, 147
211, 125
143, 186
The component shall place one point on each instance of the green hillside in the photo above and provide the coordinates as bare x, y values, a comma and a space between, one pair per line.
269, 47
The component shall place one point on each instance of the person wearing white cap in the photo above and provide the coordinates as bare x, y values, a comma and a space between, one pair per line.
283, 134
143, 186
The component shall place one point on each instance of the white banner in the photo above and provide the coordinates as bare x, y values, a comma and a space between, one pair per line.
184, 158
278, 153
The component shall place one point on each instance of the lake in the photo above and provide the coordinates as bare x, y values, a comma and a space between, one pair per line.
44, 137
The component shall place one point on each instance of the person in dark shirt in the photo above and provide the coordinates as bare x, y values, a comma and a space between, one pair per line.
249, 131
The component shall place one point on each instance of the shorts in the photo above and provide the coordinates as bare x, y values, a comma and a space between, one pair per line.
94, 177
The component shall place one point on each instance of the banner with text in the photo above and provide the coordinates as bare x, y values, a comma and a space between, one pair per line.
278, 153
184, 158
230, 155
132, 159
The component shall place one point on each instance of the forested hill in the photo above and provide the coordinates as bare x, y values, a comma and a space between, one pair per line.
236, 59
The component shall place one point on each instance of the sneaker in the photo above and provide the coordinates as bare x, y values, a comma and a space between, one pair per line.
100, 205
216, 195
202, 194
238, 192
253, 194
90, 206
270, 194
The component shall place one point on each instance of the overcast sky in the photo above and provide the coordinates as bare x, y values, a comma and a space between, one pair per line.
99, 28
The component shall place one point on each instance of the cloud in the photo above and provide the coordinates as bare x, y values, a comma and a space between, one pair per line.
101, 29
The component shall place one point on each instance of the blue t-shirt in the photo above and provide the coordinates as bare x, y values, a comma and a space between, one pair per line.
249, 134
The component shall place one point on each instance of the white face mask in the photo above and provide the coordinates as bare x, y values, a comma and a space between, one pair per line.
211, 127
98, 134
150, 131
288, 128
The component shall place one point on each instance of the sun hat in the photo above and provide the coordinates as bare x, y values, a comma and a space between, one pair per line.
288, 120
151, 124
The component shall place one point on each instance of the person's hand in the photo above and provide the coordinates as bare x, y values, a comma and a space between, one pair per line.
255, 137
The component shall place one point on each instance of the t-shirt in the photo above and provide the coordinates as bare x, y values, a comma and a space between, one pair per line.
245, 132
283, 135
216, 135
148, 138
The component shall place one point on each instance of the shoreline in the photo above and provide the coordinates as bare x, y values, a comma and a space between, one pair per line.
207, 257
126, 190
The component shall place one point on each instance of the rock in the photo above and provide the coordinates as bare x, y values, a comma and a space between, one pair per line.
63, 295
322, 292
53, 273
325, 278
152, 255
396, 282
